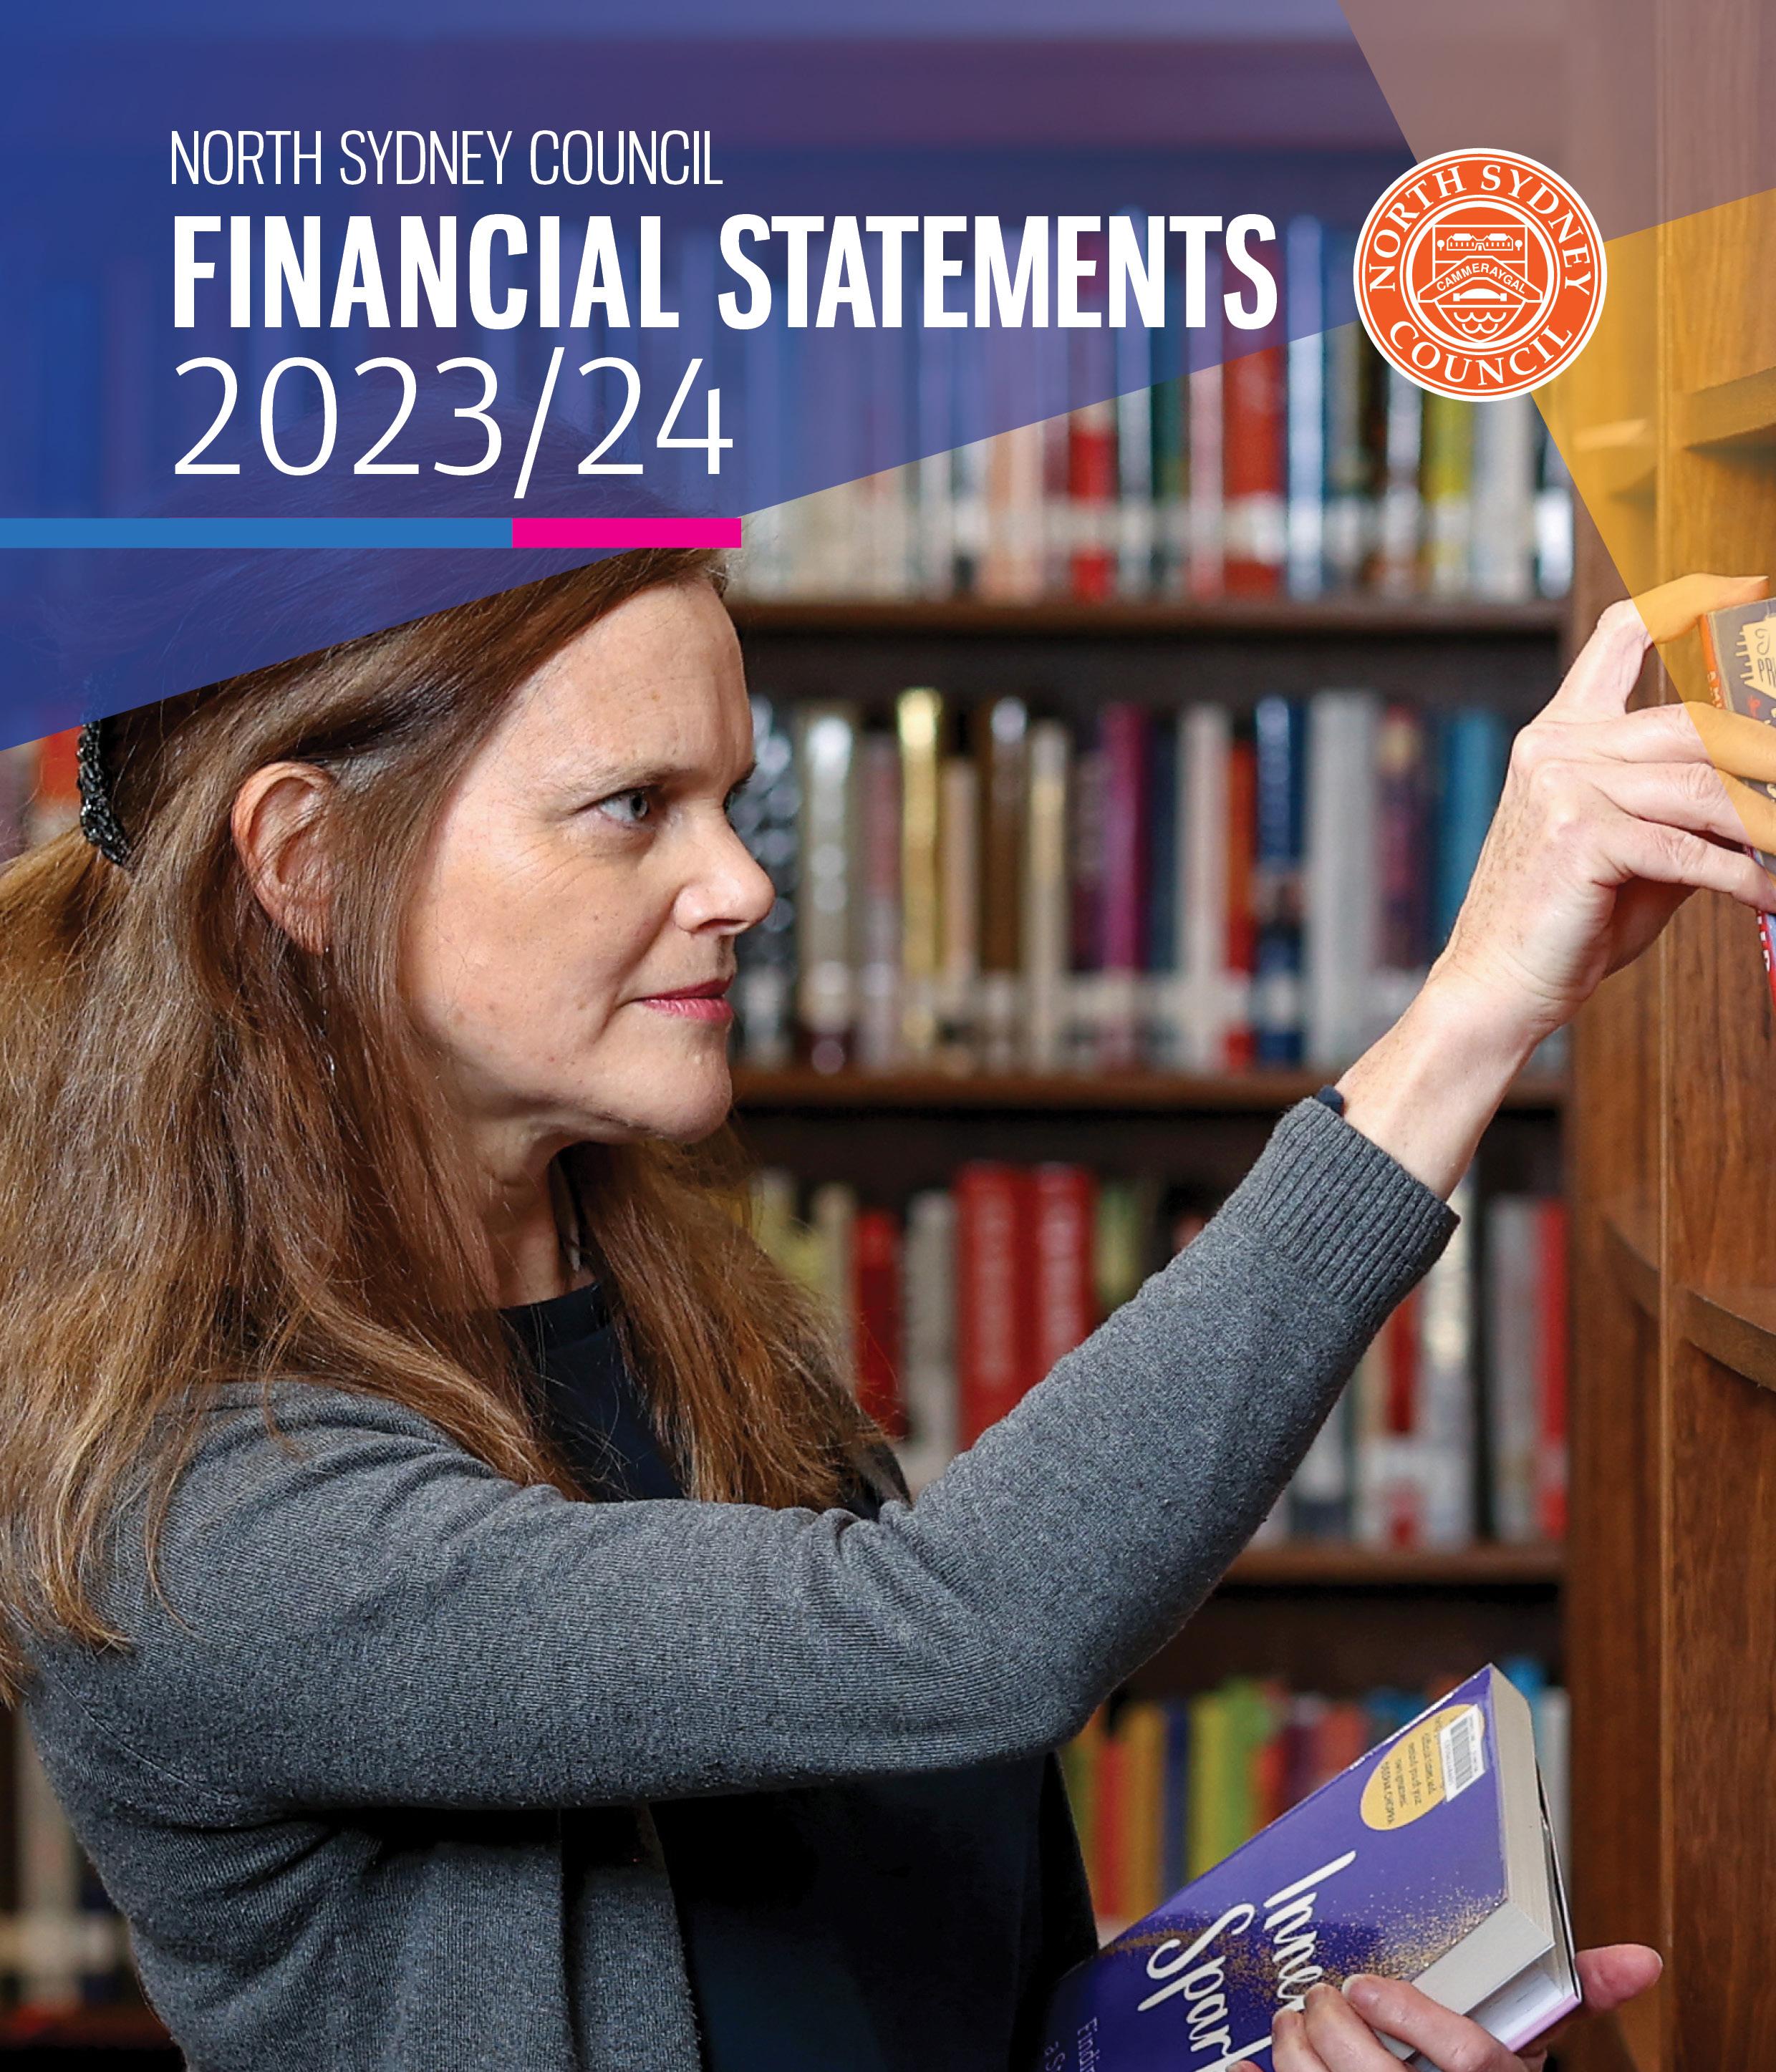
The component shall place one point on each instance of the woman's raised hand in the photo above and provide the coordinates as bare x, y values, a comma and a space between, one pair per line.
1609, 821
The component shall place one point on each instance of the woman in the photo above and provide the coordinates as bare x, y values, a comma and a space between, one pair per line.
365, 1338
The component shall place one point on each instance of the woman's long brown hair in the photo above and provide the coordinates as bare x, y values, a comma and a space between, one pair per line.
221, 1158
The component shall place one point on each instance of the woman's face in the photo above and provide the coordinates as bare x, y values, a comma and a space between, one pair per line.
572, 938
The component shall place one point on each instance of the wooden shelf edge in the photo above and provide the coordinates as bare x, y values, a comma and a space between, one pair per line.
1741, 412
1334, 1565
1735, 1326
1257, 1093
1631, 1242
1364, 618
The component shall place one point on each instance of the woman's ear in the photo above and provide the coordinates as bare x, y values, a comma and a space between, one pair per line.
279, 823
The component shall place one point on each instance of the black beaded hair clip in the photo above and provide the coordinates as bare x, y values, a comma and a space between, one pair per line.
99, 822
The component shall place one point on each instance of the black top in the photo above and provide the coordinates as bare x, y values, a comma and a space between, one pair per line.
822, 1926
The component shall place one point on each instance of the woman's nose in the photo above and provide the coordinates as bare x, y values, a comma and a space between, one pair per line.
729, 891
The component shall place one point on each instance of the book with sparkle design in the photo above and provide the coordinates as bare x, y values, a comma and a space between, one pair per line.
1431, 1860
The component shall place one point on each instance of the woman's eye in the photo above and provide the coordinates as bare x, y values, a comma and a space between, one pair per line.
631, 808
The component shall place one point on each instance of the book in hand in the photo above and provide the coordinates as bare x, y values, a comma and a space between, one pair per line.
1430, 1859
1739, 647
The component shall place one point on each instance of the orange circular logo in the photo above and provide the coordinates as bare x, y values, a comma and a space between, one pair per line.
1480, 273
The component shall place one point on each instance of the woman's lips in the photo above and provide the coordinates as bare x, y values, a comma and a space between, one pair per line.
695, 1003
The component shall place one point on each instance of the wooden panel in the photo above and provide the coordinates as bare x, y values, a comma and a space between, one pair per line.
1722, 1631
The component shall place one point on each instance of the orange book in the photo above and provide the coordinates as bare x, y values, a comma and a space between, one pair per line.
1253, 471
55, 799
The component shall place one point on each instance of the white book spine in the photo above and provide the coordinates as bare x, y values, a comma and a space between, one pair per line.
1445, 1406
930, 1339
1503, 555
879, 943
1340, 889
1512, 1333
825, 1003
1045, 897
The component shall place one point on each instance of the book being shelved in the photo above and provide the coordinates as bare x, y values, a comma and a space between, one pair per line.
1292, 462
1452, 1429
1431, 1857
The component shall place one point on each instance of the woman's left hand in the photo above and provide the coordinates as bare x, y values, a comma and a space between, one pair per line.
1337, 2032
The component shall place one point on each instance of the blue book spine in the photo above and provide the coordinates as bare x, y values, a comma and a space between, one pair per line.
1471, 776
1276, 993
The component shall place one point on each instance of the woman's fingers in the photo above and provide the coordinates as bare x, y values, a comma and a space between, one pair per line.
1673, 856
1605, 670
1290, 2049
1746, 747
1450, 2041
1679, 795
1670, 611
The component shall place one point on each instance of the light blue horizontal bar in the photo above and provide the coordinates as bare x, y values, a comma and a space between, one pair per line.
271, 532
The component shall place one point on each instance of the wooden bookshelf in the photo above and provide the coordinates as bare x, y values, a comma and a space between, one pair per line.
1672, 1595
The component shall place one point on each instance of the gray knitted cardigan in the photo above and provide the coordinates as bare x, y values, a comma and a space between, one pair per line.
376, 1799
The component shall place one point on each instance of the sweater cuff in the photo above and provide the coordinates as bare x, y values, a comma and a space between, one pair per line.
1333, 1202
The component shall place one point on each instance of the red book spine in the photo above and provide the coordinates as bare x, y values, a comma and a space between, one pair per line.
1404, 1500
1091, 490
1254, 399
875, 1250
1063, 1207
1242, 907
1551, 1479
992, 1316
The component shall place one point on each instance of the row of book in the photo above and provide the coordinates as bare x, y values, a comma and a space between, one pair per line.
1179, 889
1300, 462
1161, 1791
1452, 1428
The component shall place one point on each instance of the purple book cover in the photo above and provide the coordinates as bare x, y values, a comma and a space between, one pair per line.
1384, 1869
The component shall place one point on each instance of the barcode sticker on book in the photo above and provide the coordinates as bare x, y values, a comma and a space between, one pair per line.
1462, 1746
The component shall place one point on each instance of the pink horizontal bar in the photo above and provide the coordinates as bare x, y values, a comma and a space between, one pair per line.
625, 531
